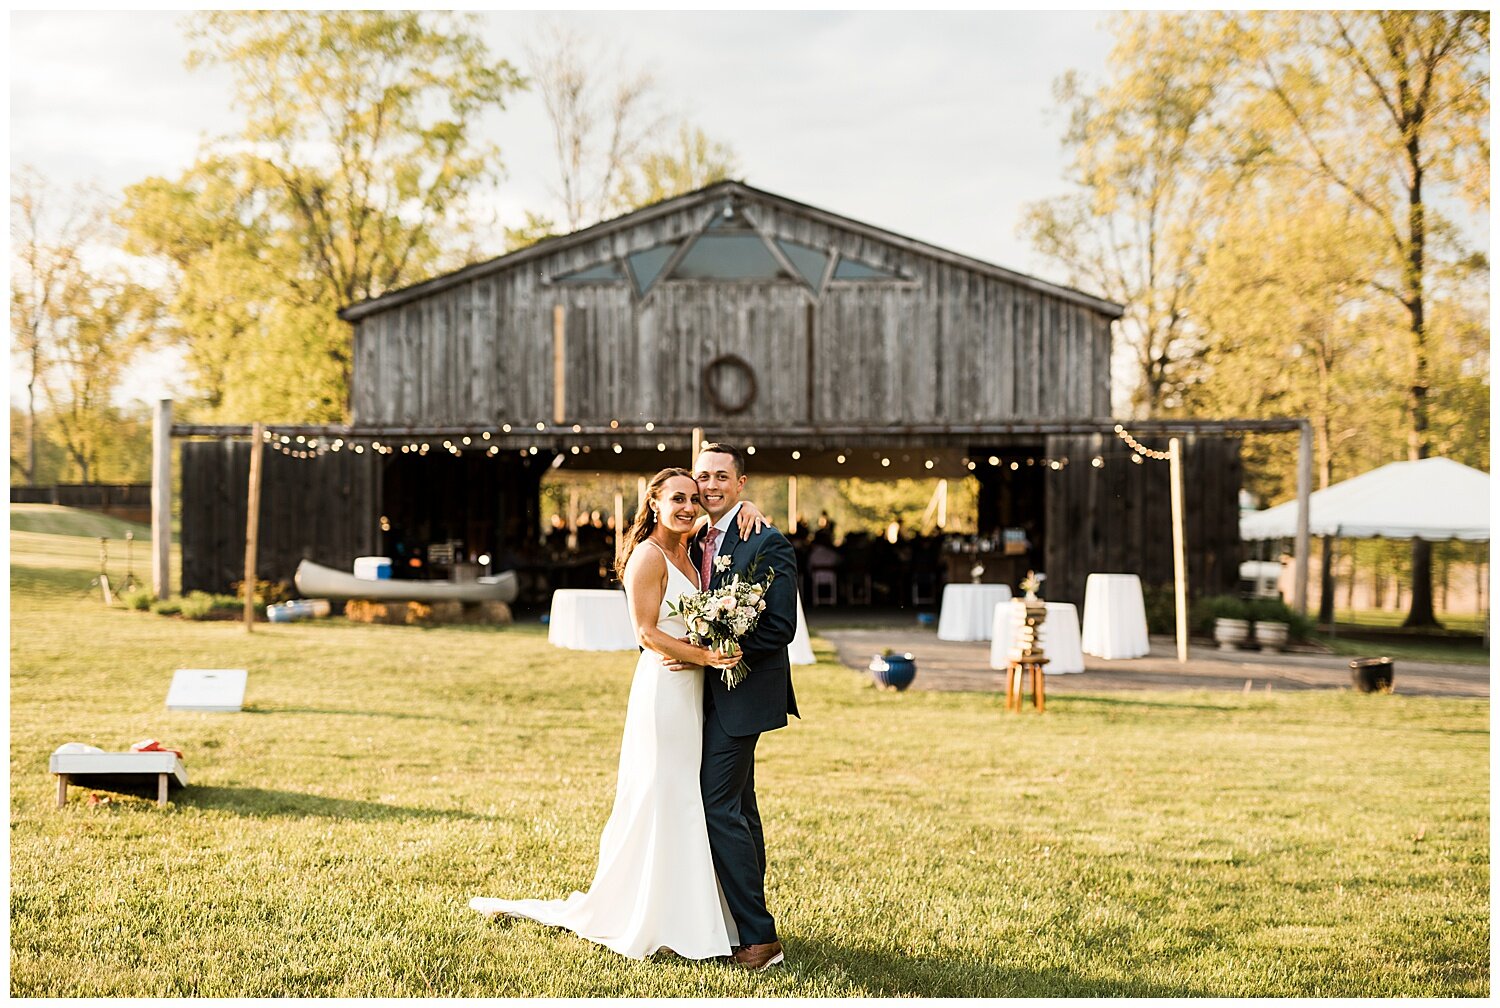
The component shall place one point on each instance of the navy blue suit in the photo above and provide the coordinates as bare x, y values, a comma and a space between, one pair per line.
734, 719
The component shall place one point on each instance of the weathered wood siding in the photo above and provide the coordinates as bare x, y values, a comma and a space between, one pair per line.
324, 509
1118, 519
947, 344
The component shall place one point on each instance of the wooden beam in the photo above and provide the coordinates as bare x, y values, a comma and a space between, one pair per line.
1304, 538
161, 498
1179, 547
252, 524
559, 364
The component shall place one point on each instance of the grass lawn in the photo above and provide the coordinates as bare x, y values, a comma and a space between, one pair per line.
1149, 844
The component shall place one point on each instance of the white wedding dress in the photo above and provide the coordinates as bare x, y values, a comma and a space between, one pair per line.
655, 886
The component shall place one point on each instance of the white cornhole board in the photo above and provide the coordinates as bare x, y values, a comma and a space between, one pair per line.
207, 689
147, 773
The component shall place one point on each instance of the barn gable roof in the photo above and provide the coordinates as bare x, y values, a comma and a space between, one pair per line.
704, 196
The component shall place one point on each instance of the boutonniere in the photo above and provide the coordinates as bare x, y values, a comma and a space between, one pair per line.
722, 563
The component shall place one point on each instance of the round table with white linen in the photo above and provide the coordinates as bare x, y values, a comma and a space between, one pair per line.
1114, 617
1058, 636
591, 619
968, 611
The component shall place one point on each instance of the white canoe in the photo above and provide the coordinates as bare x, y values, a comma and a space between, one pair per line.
326, 582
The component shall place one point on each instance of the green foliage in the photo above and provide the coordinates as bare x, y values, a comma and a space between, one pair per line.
66, 521
691, 161
167, 606
352, 174
198, 605
1203, 611
1158, 844
138, 599
266, 592
1275, 610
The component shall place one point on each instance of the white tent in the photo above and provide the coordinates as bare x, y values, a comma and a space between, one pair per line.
1433, 499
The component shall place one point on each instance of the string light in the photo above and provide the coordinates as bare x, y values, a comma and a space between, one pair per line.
1140, 449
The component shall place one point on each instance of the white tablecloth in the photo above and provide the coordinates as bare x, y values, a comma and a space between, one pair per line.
1114, 617
591, 619
969, 610
1058, 637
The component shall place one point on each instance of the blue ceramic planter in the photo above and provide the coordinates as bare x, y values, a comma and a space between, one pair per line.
894, 671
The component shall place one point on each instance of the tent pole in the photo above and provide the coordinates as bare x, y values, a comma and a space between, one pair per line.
1304, 491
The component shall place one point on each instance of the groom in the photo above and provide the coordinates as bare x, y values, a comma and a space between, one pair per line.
734, 719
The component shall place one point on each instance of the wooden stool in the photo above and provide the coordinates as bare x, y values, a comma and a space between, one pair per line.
1015, 674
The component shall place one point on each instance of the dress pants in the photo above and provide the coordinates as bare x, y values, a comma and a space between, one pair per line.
735, 837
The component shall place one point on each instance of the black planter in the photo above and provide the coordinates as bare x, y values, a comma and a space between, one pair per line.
1373, 675
894, 671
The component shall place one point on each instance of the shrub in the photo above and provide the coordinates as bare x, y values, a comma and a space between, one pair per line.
167, 606
1276, 610
136, 598
197, 605
1203, 611
266, 592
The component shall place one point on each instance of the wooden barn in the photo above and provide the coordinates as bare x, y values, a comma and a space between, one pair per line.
832, 347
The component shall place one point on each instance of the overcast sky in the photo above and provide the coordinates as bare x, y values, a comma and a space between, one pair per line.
936, 126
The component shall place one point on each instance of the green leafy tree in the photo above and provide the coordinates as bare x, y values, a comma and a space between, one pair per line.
691, 161
1154, 161
1389, 109
354, 169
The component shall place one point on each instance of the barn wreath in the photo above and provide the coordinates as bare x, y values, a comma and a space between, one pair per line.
713, 374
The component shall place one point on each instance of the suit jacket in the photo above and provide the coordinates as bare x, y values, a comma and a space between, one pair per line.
764, 699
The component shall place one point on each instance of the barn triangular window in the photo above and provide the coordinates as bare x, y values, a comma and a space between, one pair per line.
854, 269
603, 273
646, 264
729, 255
810, 262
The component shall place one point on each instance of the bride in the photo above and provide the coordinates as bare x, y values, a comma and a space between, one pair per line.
655, 886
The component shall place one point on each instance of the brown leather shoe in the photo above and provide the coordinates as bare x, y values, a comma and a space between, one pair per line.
758, 957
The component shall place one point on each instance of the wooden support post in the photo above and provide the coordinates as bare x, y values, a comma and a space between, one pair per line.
161, 790
252, 521
620, 522
1179, 546
559, 364
693, 451
640, 491
62, 790
161, 498
791, 504
942, 515
1304, 495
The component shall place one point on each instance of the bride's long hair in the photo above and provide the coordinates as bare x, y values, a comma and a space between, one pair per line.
645, 519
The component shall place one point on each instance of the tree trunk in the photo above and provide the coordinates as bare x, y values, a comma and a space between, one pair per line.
1325, 591
1421, 614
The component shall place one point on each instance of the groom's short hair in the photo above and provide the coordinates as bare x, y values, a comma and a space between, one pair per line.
731, 451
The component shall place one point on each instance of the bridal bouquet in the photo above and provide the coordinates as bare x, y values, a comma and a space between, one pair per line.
719, 617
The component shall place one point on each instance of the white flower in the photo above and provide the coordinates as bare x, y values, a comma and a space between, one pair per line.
722, 563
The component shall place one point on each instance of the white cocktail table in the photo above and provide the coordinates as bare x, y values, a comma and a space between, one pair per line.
591, 619
1114, 617
968, 611
1058, 636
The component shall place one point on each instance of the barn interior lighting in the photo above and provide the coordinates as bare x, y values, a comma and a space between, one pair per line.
1056, 465
531, 450
972, 466
928, 464
650, 426
1098, 462
614, 424
841, 459
618, 449
505, 428
466, 439
494, 450
486, 435
285, 439
1136, 459
796, 454
573, 450
577, 428
750, 450
359, 449
1015, 466
885, 461
660, 446
301, 439
994, 460
484, 559
266, 435
540, 425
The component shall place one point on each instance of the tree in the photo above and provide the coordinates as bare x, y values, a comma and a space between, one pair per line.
1154, 162
1390, 109
354, 170
692, 162
49, 232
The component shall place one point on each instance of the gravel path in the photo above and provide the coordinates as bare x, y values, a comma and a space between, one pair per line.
965, 667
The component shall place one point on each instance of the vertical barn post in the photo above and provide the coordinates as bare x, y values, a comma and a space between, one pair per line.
252, 522
559, 364
791, 504
697, 444
161, 499
1179, 547
1304, 493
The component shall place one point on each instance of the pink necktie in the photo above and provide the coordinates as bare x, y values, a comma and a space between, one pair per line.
710, 550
